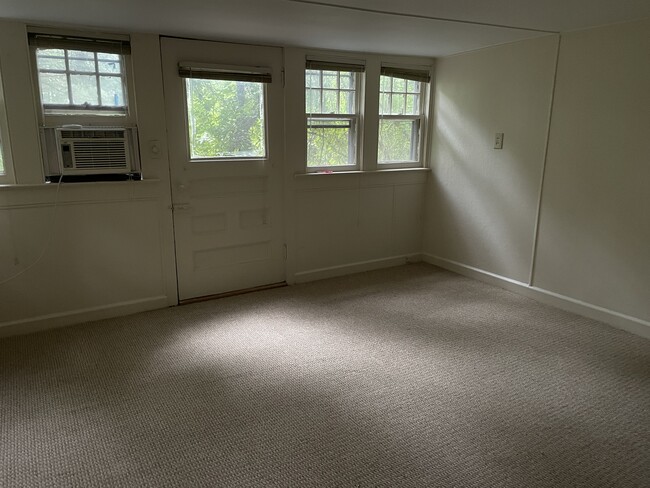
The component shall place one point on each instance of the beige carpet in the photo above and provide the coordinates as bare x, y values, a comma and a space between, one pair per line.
409, 376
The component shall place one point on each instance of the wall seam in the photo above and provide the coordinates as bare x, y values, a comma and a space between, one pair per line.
533, 261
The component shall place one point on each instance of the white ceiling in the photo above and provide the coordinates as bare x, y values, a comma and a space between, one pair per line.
388, 26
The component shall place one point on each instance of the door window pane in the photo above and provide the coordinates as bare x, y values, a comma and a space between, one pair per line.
225, 119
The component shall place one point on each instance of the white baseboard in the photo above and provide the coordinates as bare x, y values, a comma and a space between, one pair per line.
628, 323
359, 267
55, 320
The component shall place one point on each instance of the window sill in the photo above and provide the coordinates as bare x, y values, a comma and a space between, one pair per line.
359, 172
37, 186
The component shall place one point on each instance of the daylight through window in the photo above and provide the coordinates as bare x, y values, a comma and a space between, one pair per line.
74, 80
401, 115
226, 113
332, 115
225, 119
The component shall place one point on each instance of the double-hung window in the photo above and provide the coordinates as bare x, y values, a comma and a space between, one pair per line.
402, 97
226, 111
332, 111
80, 77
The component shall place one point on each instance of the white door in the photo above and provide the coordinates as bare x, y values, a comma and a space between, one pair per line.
224, 122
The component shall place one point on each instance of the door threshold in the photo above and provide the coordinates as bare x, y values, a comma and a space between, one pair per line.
233, 293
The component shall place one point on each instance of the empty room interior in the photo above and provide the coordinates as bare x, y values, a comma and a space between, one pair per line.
325, 243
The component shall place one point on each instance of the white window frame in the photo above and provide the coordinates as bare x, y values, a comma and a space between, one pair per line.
355, 118
421, 118
7, 176
90, 117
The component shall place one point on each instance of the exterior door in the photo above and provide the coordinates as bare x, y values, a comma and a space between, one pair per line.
224, 123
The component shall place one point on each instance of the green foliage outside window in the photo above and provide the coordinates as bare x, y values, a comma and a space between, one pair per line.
398, 140
399, 128
225, 119
329, 142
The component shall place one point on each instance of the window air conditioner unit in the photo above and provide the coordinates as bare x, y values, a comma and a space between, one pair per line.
90, 153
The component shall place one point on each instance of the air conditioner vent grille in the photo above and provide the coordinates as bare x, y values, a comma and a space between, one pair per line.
100, 154
92, 134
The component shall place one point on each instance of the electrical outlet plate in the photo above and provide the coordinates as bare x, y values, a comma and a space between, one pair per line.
154, 149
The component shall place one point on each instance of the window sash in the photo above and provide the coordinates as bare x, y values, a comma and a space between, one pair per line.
321, 91
353, 130
416, 140
78, 108
391, 93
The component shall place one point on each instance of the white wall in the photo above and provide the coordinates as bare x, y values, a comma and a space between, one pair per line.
594, 232
482, 202
593, 241
98, 250
357, 220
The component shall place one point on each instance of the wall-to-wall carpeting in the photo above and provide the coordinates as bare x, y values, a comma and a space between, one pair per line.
409, 376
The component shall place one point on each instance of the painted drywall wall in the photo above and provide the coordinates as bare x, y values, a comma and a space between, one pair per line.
594, 231
482, 202
352, 219
593, 239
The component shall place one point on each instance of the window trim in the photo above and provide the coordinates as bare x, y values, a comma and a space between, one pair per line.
40, 38
359, 80
423, 76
